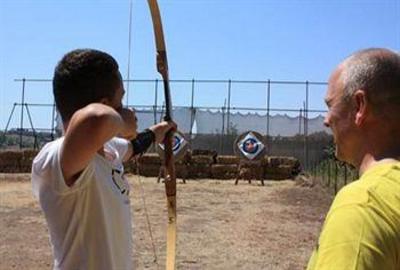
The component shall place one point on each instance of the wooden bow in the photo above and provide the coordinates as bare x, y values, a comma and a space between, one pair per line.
170, 178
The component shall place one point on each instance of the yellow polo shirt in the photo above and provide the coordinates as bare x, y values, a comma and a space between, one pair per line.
362, 228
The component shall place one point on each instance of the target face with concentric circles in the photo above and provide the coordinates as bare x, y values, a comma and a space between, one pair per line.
250, 146
179, 146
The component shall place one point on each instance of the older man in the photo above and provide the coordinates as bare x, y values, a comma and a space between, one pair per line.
362, 228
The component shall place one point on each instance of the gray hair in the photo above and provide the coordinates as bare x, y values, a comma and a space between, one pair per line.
377, 72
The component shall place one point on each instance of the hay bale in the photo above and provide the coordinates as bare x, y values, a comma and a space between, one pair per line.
187, 157
202, 159
281, 167
199, 171
279, 173
197, 152
26, 160
181, 171
10, 157
179, 162
149, 170
228, 160
182, 159
150, 158
29, 154
251, 164
250, 173
130, 166
291, 161
251, 169
224, 171
10, 161
275, 161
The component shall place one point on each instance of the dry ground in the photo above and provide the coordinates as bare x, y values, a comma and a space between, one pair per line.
220, 225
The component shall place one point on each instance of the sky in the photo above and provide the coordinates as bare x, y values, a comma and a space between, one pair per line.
206, 40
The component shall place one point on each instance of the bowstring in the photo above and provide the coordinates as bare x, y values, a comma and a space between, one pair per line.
146, 212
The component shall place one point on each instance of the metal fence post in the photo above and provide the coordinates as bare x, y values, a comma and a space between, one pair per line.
22, 113
306, 127
329, 173
336, 177
268, 103
191, 112
53, 112
228, 125
221, 137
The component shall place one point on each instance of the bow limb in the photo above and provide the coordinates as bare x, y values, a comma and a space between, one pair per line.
170, 177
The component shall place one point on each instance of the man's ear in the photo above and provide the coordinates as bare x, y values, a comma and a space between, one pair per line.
361, 106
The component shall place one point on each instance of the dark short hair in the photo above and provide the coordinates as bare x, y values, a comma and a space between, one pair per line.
82, 77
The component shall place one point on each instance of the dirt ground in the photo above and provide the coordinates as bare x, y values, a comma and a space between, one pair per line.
220, 225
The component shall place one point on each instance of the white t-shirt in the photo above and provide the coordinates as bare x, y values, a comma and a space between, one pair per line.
89, 222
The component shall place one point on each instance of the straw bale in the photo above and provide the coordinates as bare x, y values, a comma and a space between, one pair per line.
197, 152
249, 173
279, 173
181, 171
251, 164
10, 157
130, 166
291, 161
149, 170
275, 161
228, 160
26, 160
10, 161
187, 157
184, 158
224, 171
29, 154
202, 159
199, 171
150, 158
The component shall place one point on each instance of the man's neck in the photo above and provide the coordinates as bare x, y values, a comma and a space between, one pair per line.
370, 161
379, 146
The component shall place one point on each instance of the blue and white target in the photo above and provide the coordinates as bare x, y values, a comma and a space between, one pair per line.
178, 143
250, 146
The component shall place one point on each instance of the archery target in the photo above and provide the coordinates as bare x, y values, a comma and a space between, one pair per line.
179, 146
250, 145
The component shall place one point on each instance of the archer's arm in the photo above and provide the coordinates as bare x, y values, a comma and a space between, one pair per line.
159, 130
87, 131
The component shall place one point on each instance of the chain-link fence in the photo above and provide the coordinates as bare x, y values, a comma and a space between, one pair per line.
211, 113
333, 174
